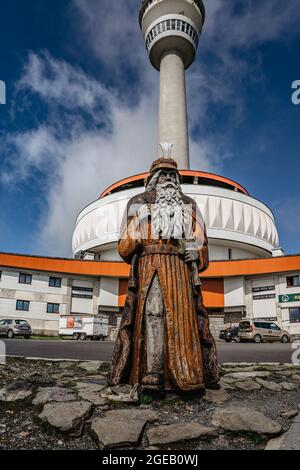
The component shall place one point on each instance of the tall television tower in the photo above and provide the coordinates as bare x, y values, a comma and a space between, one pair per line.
171, 29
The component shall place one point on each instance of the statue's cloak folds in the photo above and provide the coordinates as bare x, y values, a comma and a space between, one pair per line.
189, 354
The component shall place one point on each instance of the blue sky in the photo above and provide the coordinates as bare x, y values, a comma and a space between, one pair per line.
82, 110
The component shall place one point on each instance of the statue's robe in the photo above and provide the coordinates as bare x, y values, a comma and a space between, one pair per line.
189, 348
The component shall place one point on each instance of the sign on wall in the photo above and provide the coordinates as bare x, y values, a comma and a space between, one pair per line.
283, 299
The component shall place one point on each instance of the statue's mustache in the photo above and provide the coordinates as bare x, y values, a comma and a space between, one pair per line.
167, 184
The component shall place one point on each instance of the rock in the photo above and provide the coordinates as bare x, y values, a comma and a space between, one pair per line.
221, 442
276, 443
148, 415
121, 428
15, 391
288, 386
248, 385
67, 365
90, 366
235, 376
122, 394
168, 434
226, 385
66, 416
273, 386
121, 389
238, 369
216, 396
238, 364
245, 420
58, 394
189, 409
296, 379
289, 414
93, 397
89, 387
270, 364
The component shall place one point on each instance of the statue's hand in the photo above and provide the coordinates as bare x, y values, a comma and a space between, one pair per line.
190, 256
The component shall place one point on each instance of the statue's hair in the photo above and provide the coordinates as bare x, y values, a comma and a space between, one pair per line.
153, 181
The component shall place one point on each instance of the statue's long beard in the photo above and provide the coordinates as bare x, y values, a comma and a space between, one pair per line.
168, 213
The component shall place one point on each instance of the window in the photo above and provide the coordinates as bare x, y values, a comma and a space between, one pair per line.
83, 289
82, 296
52, 308
294, 315
25, 278
229, 253
23, 305
245, 326
21, 322
54, 282
0, 275
293, 281
274, 326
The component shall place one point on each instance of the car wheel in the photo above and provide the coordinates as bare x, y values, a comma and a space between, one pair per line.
227, 340
76, 336
257, 339
285, 339
83, 337
237, 339
10, 334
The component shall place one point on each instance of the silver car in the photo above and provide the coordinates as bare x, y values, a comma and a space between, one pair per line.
11, 328
259, 331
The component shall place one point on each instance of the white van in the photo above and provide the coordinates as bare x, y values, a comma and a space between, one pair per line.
84, 327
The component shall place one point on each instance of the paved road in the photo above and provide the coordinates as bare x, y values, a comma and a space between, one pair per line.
246, 352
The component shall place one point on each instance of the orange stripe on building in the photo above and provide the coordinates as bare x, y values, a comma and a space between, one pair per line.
66, 266
253, 267
217, 269
199, 174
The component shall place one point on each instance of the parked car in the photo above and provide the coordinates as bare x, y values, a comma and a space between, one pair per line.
15, 327
259, 331
230, 334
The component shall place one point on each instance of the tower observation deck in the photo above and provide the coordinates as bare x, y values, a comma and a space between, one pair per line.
171, 30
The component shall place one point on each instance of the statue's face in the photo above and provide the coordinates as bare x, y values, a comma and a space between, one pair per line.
167, 176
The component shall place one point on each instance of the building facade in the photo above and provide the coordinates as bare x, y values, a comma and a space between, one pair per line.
41, 289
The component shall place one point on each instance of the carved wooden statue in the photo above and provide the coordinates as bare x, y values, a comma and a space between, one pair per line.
164, 342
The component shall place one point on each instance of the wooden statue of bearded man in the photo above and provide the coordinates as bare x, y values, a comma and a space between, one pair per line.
164, 342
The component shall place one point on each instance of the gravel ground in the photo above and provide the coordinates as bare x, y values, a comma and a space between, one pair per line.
21, 428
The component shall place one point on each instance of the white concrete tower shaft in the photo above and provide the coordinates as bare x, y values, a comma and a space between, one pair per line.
171, 30
173, 119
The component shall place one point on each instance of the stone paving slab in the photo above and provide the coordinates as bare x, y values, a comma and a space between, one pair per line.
178, 432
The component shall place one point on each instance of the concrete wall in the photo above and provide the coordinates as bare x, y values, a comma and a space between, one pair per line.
109, 292
39, 294
216, 324
234, 291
